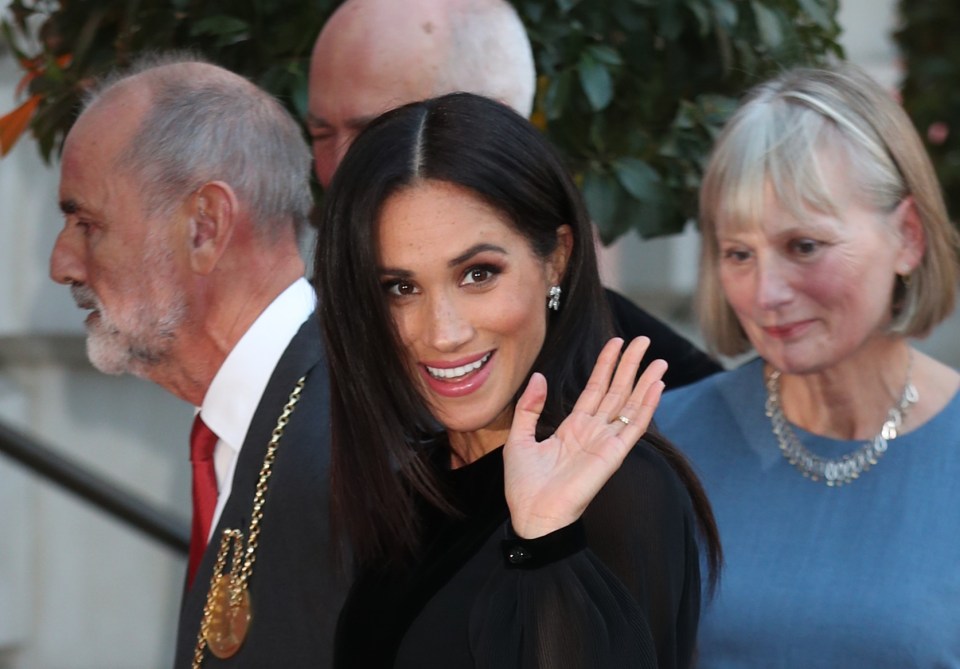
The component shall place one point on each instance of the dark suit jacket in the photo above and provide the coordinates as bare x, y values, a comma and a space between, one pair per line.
296, 589
686, 362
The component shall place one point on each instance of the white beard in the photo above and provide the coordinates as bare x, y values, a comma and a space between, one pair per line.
141, 339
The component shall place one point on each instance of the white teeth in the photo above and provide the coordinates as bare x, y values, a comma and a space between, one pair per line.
456, 372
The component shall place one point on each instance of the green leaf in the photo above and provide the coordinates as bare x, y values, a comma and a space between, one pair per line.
533, 12
558, 95
647, 219
598, 134
7, 32
817, 13
702, 13
228, 29
726, 12
605, 54
637, 177
670, 23
595, 81
768, 23
600, 194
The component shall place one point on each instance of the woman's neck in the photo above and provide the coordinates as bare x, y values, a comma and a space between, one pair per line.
466, 447
851, 399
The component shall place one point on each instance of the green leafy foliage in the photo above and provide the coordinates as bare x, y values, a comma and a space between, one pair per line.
631, 91
635, 91
930, 93
268, 41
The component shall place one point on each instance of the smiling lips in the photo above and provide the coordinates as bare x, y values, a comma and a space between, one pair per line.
786, 331
458, 380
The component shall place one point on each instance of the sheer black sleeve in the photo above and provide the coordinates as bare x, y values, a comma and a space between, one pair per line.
620, 588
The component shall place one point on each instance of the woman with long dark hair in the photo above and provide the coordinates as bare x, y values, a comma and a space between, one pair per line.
463, 312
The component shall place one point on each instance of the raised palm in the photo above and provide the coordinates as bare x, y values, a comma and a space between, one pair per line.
548, 484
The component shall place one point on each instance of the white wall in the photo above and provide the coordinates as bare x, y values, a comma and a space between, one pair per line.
78, 590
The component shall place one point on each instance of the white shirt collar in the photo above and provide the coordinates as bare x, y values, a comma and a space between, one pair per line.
235, 392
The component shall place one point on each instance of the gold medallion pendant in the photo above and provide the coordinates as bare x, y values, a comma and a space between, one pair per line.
227, 613
230, 616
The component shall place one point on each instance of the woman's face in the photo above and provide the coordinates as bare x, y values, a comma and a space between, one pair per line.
812, 291
468, 296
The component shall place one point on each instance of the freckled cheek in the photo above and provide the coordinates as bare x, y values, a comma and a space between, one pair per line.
522, 325
407, 325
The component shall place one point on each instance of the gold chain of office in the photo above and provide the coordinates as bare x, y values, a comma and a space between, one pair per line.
227, 613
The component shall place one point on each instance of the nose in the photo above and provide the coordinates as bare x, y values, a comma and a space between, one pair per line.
773, 283
66, 264
449, 325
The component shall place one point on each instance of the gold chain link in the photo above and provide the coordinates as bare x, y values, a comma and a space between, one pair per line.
241, 572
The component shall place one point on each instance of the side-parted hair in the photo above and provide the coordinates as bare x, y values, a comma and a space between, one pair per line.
207, 124
777, 143
382, 426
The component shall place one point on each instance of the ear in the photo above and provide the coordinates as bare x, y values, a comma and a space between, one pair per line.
213, 212
557, 261
913, 240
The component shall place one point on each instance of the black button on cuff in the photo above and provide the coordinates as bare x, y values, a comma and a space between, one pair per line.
519, 553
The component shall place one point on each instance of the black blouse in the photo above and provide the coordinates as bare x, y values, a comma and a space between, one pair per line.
619, 588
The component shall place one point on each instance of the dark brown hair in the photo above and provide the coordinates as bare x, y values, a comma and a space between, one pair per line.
383, 431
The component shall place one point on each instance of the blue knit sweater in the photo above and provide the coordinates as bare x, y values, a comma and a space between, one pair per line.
862, 576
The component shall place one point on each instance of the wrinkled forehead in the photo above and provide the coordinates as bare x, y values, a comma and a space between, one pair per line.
91, 153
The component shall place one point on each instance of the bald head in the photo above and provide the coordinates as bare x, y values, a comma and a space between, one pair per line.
196, 123
375, 55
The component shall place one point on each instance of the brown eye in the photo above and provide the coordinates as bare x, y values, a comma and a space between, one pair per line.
736, 255
480, 274
400, 287
804, 247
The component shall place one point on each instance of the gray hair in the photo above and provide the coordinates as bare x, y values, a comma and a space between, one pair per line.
207, 124
490, 55
775, 141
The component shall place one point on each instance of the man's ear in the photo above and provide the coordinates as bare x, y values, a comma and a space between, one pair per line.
213, 212
560, 256
913, 239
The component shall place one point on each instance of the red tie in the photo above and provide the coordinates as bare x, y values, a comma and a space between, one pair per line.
202, 443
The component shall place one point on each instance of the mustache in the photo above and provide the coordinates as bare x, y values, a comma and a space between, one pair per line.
84, 296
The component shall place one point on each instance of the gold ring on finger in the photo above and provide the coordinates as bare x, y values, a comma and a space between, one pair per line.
623, 419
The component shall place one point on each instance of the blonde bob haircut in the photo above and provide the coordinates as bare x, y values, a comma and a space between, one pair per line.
777, 143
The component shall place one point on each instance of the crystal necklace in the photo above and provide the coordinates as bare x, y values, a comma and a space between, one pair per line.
836, 472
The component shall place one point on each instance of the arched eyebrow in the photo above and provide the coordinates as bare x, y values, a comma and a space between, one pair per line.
474, 250
453, 262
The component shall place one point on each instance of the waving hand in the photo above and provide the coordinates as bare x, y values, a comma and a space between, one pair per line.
549, 484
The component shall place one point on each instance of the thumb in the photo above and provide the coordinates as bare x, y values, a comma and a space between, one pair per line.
529, 406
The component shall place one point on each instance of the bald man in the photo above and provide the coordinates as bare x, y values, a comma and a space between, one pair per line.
183, 188
375, 55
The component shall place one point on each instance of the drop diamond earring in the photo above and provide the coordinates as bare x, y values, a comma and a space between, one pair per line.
554, 298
